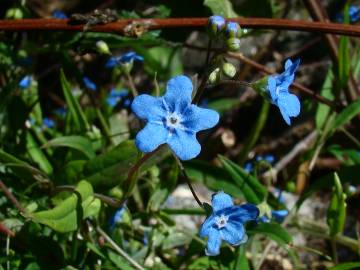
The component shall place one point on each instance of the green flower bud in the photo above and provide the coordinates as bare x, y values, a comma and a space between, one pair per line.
260, 87
264, 209
214, 76
14, 13
102, 47
233, 44
229, 70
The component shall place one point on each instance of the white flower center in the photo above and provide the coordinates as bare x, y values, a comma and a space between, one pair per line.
221, 221
173, 121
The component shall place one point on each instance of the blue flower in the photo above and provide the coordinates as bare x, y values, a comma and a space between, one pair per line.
354, 14
232, 29
115, 96
268, 158
89, 84
58, 14
25, 82
248, 167
279, 215
226, 223
123, 59
117, 217
216, 24
172, 119
48, 123
278, 87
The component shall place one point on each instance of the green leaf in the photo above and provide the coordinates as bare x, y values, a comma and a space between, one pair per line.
20, 168
348, 174
241, 262
222, 105
344, 61
251, 188
76, 142
347, 114
337, 210
274, 231
213, 177
37, 154
346, 266
65, 216
323, 110
221, 7
75, 109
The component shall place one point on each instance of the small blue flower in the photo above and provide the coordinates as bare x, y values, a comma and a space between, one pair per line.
89, 84
278, 194
279, 215
123, 59
117, 217
226, 223
232, 29
25, 82
58, 14
115, 96
278, 87
248, 167
354, 14
172, 119
216, 24
48, 123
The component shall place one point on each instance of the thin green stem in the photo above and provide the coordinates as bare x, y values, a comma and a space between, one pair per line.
119, 250
255, 132
131, 84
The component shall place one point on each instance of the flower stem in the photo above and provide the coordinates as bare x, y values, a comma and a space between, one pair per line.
187, 179
131, 84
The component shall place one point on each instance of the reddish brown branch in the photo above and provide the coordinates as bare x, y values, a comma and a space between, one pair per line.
123, 25
11, 197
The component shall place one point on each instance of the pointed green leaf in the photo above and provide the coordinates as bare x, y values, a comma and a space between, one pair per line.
75, 109
76, 142
252, 189
274, 231
346, 266
347, 114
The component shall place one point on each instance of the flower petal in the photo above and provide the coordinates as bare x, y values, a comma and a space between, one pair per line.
178, 93
149, 108
271, 86
150, 137
220, 201
197, 118
233, 233
291, 103
184, 144
206, 226
284, 114
291, 67
243, 213
213, 243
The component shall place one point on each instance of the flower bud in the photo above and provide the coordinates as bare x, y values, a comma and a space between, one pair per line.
14, 13
216, 25
214, 76
232, 30
233, 44
229, 70
264, 209
102, 47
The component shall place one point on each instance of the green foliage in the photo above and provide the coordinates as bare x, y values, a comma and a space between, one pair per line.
221, 7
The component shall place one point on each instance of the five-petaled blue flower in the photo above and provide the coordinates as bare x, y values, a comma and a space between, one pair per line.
123, 59
25, 82
172, 119
89, 83
278, 87
226, 223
